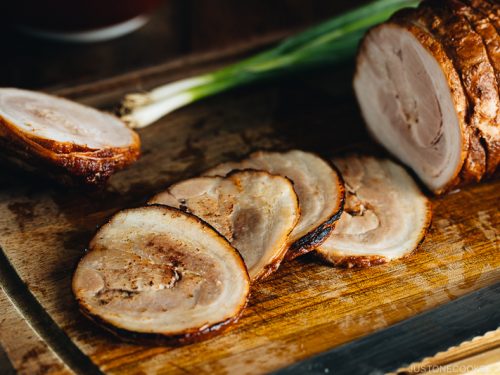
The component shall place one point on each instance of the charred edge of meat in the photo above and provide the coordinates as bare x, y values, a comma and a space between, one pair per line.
89, 168
487, 36
70, 148
270, 268
57, 170
59, 147
488, 9
363, 261
485, 28
474, 167
190, 337
313, 239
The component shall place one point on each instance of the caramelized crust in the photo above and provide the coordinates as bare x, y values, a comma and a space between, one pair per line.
66, 162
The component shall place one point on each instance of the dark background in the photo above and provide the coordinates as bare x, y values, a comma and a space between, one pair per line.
179, 27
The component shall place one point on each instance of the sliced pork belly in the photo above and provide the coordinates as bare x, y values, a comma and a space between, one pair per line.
62, 139
385, 216
158, 274
317, 184
254, 210
409, 86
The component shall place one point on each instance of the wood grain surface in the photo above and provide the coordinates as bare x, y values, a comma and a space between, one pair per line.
301, 310
27, 352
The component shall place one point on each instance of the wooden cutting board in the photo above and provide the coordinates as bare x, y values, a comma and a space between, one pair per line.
303, 309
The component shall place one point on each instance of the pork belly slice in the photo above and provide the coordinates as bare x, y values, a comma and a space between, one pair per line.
157, 274
254, 210
61, 139
318, 186
385, 216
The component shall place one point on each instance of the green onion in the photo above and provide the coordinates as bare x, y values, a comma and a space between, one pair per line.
326, 44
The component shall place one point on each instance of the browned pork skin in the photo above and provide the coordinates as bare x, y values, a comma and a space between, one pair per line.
385, 216
489, 30
470, 58
62, 139
254, 210
411, 96
318, 186
486, 29
489, 9
161, 275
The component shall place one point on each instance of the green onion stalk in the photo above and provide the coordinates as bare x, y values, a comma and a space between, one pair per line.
326, 44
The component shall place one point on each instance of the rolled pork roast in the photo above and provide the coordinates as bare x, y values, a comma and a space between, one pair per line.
427, 82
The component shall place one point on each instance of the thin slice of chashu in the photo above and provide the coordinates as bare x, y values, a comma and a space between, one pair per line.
158, 274
385, 217
254, 210
63, 139
318, 186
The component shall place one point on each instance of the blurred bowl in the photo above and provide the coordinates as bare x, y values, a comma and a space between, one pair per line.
80, 20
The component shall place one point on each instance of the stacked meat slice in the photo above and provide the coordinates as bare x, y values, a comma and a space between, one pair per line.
61, 139
427, 84
319, 188
160, 274
255, 210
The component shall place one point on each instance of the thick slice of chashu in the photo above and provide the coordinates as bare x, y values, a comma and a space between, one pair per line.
63, 139
385, 216
254, 210
470, 57
414, 102
318, 186
158, 274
